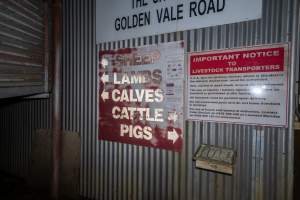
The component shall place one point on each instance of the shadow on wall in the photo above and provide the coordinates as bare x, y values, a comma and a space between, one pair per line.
41, 166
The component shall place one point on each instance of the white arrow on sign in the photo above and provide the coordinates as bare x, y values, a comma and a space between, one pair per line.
105, 95
104, 62
173, 116
172, 135
105, 78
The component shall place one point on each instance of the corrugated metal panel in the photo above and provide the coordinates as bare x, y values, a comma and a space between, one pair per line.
22, 53
120, 171
263, 166
18, 121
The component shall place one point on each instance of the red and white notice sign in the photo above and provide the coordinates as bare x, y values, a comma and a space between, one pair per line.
247, 85
141, 95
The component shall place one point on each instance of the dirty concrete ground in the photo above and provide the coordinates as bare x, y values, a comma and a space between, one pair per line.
13, 188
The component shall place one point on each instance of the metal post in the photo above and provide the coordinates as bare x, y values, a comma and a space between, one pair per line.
293, 92
56, 118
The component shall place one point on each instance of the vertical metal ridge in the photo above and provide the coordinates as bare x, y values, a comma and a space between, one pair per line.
293, 78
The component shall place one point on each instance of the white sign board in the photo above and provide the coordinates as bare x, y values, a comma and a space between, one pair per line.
248, 85
124, 19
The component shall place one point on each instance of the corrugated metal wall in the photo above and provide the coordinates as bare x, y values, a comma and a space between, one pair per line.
18, 120
121, 171
22, 47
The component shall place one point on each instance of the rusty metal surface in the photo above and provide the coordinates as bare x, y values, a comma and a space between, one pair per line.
22, 45
264, 161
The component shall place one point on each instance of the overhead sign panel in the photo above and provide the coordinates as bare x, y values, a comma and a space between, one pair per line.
246, 85
141, 95
124, 19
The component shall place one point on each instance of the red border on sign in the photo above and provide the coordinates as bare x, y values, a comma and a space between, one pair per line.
282, 67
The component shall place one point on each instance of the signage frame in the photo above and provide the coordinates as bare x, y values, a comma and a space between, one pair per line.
287, 64
187, 17
178, 142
